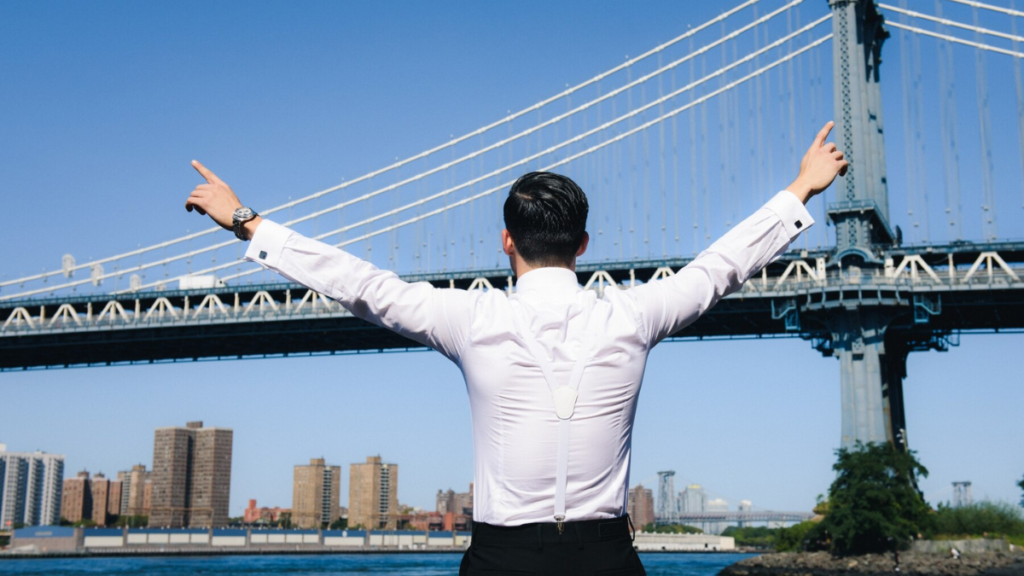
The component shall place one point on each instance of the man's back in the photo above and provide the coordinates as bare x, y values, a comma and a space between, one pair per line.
515, 428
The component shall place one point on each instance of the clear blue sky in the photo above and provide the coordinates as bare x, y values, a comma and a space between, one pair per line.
104, 104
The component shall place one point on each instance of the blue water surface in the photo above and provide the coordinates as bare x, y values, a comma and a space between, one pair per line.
328, 565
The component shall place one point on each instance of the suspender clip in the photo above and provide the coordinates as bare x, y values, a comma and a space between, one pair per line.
560, 523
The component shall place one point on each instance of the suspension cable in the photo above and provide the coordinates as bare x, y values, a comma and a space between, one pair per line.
345, 184
466, 184
956, 40
954, 23
598, 146
982, 5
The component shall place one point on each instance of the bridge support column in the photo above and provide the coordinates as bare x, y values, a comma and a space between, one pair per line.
872, 368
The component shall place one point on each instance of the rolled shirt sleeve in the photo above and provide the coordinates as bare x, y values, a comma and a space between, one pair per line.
670, 304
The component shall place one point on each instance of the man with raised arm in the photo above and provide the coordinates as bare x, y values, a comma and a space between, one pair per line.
553, 372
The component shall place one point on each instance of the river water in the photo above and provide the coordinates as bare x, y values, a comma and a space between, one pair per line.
327, 565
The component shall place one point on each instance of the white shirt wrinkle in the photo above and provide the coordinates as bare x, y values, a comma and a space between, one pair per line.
515, 429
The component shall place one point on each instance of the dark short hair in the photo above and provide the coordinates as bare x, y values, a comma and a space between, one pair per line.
546, 215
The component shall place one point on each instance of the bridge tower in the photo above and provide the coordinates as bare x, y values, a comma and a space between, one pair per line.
872, 357
668, 507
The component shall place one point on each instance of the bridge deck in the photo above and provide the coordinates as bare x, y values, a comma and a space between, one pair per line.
983, 290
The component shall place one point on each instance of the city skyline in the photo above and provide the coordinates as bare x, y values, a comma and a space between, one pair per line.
755, 419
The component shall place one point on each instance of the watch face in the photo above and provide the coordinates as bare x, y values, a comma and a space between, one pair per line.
242, 214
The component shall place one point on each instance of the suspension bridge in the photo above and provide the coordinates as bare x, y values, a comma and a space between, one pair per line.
673, 147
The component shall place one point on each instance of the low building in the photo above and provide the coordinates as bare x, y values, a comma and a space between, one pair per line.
264, 516
651, 542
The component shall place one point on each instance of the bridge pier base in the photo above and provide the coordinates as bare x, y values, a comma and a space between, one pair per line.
871, 379
872, 346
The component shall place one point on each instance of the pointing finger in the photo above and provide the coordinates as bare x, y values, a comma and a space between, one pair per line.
819, 140
205, 172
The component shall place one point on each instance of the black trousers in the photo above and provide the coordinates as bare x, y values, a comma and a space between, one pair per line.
601, 547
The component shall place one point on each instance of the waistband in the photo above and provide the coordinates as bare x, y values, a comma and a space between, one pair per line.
547, 532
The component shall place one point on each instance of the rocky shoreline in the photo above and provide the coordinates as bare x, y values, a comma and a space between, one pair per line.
911, 564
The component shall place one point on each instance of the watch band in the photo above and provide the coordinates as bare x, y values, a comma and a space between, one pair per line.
237, 226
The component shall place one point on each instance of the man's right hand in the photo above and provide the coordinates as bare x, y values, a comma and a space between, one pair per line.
819, 167
216, 199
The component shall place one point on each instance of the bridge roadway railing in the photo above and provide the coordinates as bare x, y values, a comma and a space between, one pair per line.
806, 277
956, 288
744, 516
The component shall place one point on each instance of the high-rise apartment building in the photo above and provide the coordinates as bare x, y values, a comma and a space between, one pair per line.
373, 494
31, 485
191, 476
316, 492
640, 506
76, 500
114, 498
97, 498
100, 487
692, 499
136, 484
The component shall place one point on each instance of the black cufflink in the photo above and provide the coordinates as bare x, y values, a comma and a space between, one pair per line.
263, 254
798, 224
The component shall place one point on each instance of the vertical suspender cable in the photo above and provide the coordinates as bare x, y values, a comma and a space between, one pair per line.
704, 160
759, 115
769, 151
988, 209
693, 162
633, 166
947, 119
909, 145
921, 152
602, 166
1019, 82
661, 164
816, 82
675, 170
792, 106
724, 194
754, 178
647, 175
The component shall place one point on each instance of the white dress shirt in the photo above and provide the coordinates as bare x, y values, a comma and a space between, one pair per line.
515, 429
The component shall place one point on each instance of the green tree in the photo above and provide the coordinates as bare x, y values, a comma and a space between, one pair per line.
981, 518
752, 536
132, 521
874, 504
1021, 484
791, 539
677, 529
85, 523
339, 524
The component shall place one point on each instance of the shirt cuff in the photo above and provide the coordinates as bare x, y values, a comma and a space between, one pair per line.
794, 215
267, 243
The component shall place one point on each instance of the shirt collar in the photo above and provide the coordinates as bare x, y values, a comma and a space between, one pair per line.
549, 280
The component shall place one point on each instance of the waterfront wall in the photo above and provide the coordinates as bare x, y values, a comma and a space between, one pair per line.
56, 540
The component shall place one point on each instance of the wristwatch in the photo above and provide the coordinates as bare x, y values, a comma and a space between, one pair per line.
241, 216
